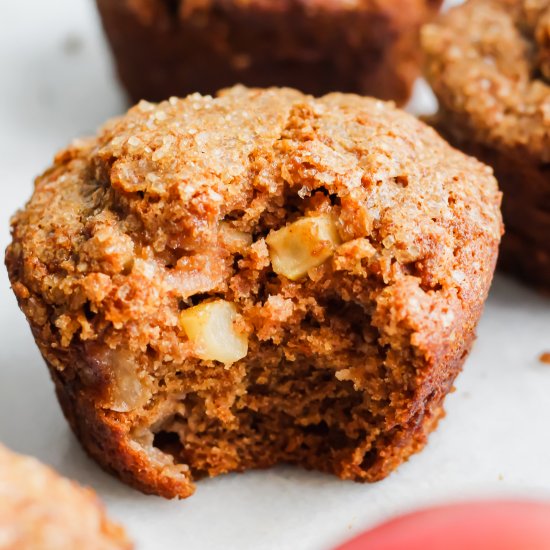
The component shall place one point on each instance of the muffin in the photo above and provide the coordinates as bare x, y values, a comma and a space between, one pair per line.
219, 284
40, 510
165, 48
489, 64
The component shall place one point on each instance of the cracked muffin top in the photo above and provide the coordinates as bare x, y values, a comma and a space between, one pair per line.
174, 200
489, 63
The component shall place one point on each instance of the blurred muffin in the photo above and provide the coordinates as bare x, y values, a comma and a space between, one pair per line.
40, 510
224, 284
489, 64
170, 47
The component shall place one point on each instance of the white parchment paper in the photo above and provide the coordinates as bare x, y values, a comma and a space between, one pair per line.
55, 84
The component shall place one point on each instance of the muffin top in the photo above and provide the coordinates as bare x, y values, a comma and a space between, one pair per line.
489, 64
176, 200
40, 509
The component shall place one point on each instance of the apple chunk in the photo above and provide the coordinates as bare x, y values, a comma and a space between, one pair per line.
302, 245
211, 328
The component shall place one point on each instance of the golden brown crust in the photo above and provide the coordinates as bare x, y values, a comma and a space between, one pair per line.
362, 46
487, 61
484, 64
346, 367
39, 510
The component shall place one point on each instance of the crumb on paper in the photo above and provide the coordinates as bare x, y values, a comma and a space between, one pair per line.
545, 357
72, 44
500, 477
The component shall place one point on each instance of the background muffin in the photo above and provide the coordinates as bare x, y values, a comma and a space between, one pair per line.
223, 284
39, 510
165, 48
488, 63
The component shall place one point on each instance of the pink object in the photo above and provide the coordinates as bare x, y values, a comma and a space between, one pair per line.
494, 525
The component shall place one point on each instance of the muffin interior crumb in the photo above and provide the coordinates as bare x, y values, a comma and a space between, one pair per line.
316, 383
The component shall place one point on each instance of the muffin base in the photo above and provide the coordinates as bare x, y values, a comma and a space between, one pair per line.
108, 439
373, 51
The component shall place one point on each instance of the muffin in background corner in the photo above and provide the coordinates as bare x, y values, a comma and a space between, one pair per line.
488, 62
173, 48
40, 510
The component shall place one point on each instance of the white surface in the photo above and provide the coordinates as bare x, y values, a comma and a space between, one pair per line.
494, 440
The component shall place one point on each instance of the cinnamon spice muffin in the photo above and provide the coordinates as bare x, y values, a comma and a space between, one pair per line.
224, 284
40, 510
172, 47
489, 64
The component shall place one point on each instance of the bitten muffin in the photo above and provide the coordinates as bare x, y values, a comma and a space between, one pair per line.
489, 64
264, 277
40, 510
171, 47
